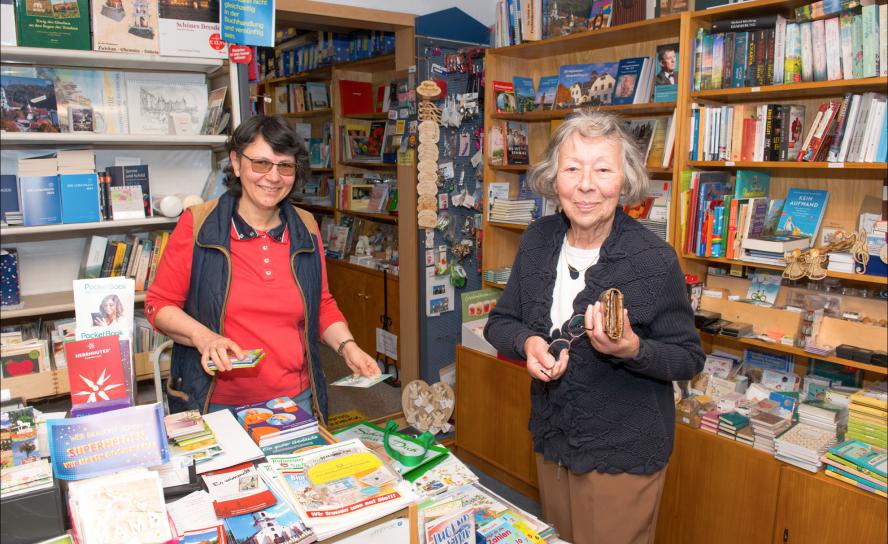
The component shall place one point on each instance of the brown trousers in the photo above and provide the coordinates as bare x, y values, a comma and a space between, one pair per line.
600, 508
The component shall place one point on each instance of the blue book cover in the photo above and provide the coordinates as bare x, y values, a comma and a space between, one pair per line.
108, 442
9, 196
666, 78
738, 78
628, 76
882, 152
524, 93
273, 417
545, 95
803, 211
40, 200
10, 292
80, 198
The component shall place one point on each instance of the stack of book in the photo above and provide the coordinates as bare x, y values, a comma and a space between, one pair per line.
867, 415
731, 423
189, 435
825, 415
709, 421
859, 464
765, 427
498, 275
803, 445
278, 424
512, 211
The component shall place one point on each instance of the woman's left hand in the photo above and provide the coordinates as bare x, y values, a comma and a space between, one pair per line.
626, 347
359, 361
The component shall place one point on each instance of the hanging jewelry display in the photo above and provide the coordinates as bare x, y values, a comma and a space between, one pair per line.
427, 154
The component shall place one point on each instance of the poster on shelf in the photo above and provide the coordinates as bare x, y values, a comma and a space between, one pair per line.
104, 307
248, 22
155, 101
90, 446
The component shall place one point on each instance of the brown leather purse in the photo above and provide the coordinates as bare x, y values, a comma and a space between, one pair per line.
612, 313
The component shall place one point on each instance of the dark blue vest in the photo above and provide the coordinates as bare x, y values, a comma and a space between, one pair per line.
208, 295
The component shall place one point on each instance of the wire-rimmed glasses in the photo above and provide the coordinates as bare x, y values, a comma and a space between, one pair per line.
571, 329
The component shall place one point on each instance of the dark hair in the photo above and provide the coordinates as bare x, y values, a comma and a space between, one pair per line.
282, 138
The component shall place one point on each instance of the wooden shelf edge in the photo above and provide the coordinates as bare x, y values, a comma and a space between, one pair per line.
366, 269
810, 89
509, 226
384, 218
861, 278
148, 222
864, 166
648, 108
310, 113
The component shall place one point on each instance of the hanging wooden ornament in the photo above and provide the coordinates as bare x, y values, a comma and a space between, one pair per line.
428, 408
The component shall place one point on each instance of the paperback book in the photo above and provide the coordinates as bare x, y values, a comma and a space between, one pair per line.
60, 24
803, 212
190, 29
545, 95
524, 93
666, 78
504, 97
585, 85
125, 26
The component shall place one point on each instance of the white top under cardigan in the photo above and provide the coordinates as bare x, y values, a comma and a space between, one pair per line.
566, 288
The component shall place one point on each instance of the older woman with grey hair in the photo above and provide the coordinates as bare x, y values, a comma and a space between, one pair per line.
602, 409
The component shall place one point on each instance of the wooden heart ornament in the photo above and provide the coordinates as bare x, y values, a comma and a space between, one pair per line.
428, 408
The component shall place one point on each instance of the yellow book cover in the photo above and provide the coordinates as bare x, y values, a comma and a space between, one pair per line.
117, 263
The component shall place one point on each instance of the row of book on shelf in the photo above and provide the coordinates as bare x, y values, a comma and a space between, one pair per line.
356, 97
361, 241
853, 129
297, 51
520, 21
629, 81
737, 219
45, 99
770, 50
508, 142
66, 189
150, 27
825, 419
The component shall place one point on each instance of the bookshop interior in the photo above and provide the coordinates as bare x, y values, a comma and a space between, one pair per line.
693, 196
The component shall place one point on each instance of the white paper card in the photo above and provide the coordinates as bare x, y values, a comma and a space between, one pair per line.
363, 382
387, 343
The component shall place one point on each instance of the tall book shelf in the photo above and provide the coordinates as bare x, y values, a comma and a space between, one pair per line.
50, 255
717, 490
364, 294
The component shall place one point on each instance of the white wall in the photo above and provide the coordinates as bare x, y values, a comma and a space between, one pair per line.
482, 10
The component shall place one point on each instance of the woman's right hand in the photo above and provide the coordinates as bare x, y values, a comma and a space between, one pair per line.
216, 347
540, 363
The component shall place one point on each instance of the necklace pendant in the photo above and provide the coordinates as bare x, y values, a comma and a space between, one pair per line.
574, 273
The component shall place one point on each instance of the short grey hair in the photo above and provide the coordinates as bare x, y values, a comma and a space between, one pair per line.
592, 124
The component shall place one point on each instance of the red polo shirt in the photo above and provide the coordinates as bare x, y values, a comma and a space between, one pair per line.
264, 309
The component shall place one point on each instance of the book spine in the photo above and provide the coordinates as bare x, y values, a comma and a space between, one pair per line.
883, 40
807, 52
779, 50
770, 40
776, 133
741, 42
769, 132
698, 60
845, 24
818, 50
792, 65
750, 60
728, 62
841, 123
857, 46
870, 40
833, 42
820, 112
718, 57
761, 57
108, 261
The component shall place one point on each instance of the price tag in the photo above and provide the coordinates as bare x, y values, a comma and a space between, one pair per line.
835, 165
729, 163
755, 89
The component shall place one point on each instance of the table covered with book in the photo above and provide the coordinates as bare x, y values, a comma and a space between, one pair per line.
260, 473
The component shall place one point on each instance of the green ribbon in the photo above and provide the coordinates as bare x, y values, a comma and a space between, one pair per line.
425, 440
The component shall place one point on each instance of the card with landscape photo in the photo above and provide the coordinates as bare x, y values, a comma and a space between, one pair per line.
152, 99
586, 85
29, 105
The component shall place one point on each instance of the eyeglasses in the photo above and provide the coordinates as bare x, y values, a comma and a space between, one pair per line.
263, 166
572, 329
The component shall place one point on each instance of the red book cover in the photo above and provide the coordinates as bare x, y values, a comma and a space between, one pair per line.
355, 97
95, 370
238, 490
747, 148
380, 97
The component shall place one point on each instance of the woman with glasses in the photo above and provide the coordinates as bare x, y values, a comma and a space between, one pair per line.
602, 408
247, 271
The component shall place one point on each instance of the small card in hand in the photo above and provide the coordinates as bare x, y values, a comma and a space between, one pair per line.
251, 359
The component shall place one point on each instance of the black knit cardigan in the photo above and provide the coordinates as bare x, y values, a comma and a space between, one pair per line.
605, 414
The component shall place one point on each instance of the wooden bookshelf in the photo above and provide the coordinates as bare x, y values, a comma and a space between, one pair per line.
79, 229
627, 110
860, 278
381, 217
509, 167
880, 167
322, 112
375, 116
370, 166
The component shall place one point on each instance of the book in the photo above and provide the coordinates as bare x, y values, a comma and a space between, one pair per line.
237, 490
504, 97
373, 437
9, 196
165, 103
10, 283
90, 446
585, 84
8, 23
355, 97
566, 17
803, 212
642, 131
865, 457
95, 370
752, 184
80, 198
29, 104
516, 142
666, 78
61, 25
190, 30
629, 75
40, 200
126, 202
318, 97
764, 287
274, 420
496, 144
545, 95
125, 26
524, 93
600, 14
